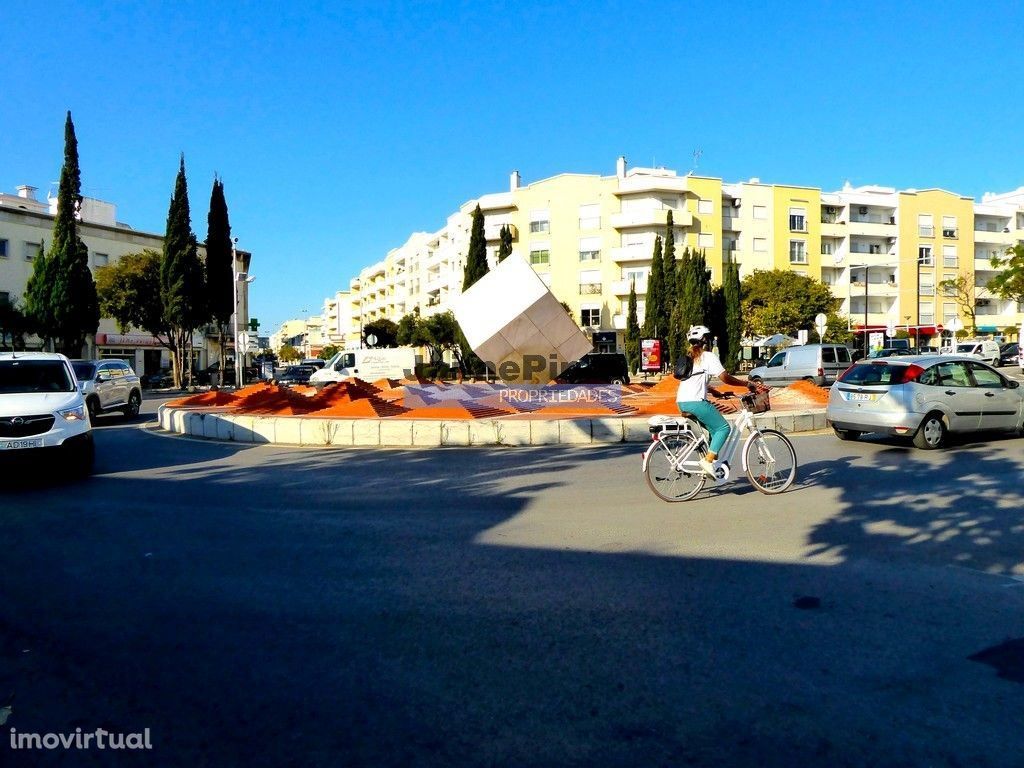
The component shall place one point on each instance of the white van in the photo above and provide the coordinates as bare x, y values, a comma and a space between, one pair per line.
819, 363
368, 364
987, 351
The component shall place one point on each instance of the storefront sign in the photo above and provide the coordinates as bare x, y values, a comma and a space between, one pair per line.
650, 355
126, 340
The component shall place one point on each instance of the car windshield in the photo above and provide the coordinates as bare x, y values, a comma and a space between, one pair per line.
84, 371
965, 347
26, 376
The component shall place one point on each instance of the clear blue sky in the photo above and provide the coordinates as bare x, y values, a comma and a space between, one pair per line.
340, 128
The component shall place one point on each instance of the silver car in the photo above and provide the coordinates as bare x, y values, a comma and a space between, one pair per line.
108, 385
925, 397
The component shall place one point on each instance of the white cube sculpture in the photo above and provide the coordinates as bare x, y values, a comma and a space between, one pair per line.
510, 316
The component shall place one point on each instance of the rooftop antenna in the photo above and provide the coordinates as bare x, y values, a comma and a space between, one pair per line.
696, 157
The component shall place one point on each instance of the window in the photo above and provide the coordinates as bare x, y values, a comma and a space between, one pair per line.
3, 249
948, 312
797, 220
590, 316
32, 250
927, 288
590, 282
826, 248
705, 240
540, 220
949, 226
635, 275
760, 244
760, 212
949, 255
590, 216
947, 289
924, 256
540, 257
797, 252
100, 259
540, 226
670, 203
590, 248
705, 206
925, 227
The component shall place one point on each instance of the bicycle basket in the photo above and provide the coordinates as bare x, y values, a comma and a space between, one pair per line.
757, 402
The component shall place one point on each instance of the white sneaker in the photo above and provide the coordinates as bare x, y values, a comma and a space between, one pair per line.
708, 467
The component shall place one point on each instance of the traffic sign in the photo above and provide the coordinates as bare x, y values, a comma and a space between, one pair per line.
243, 339
890, 329
819, 323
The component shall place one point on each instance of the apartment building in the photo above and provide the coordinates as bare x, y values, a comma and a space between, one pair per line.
884, 252
26, 228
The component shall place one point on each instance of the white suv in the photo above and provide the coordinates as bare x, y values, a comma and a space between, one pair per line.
42, 409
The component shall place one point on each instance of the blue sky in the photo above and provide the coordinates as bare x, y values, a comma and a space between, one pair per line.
340, 128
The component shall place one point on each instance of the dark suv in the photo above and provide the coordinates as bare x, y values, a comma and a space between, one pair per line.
597, 368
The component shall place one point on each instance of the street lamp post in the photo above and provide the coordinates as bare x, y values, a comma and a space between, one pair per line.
238, 277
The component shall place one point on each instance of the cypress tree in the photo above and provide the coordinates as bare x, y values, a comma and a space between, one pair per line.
476, 259
181, 276
632, 332
654, 307
677, 337
669, 279
733, 316
38, 308
505, 247
74, 309
220, 274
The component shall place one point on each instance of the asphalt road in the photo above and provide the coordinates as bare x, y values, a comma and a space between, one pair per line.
264, 606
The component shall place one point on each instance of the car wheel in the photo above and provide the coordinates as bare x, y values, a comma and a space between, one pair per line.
846, 434
932, 432
756, 379
94, 408
134, 403
617, 381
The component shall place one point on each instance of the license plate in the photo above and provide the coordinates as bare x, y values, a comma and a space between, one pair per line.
12, 445
861, 396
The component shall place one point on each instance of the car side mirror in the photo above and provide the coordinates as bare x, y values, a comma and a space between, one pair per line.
1012, 383
102, 376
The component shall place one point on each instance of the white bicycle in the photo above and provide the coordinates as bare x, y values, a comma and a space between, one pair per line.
671, 466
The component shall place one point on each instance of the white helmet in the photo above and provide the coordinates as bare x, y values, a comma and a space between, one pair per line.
698, 333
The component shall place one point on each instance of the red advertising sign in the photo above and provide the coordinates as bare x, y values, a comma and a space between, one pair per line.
650, 355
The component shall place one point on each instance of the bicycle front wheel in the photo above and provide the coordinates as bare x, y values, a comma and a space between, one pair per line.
771, 462
667, 475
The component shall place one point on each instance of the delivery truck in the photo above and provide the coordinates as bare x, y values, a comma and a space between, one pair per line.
368, 365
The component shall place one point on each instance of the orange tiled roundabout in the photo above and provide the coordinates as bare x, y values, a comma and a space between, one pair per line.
426, 413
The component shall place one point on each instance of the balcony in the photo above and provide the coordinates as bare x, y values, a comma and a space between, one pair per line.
874, 289
1000, 237
833, 229
621, 287
632, 253
650, 217
729, 223
492, 232
872, 225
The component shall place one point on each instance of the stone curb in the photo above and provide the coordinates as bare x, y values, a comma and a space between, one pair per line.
214, 424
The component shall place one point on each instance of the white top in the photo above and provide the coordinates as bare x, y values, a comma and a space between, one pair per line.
696, 387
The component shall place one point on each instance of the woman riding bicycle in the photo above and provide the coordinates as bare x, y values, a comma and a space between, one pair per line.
691, 397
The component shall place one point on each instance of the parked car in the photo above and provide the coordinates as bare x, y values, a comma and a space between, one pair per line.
208, 375
108, 385
819, 363
1009, 353
295, 374
43, 411
316, 362
983, 350
162, 379
874, 354
924, 397
597, 368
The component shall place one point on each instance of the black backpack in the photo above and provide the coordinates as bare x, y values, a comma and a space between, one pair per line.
684, 368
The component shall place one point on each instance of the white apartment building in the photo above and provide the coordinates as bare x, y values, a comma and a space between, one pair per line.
26, 226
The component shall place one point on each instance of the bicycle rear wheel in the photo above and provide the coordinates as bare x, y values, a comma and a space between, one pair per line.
668, 482
771, 462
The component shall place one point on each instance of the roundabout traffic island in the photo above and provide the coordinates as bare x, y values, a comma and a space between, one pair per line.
417, 412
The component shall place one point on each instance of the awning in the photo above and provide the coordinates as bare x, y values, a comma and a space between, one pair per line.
987, 329
929, 329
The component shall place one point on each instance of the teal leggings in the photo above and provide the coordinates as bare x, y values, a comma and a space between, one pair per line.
709, 416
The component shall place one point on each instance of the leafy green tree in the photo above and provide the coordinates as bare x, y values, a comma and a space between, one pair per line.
73, 306
38, 307
729, 344
476, 258
505, 244
441, 334
1008, 284
14, 325
220, 269
654, 307
409, 328
328, 352
385, 330
289, 354
668, 275
694, 304
182, 286
962, 289
129, 292
632, 332
780, 301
